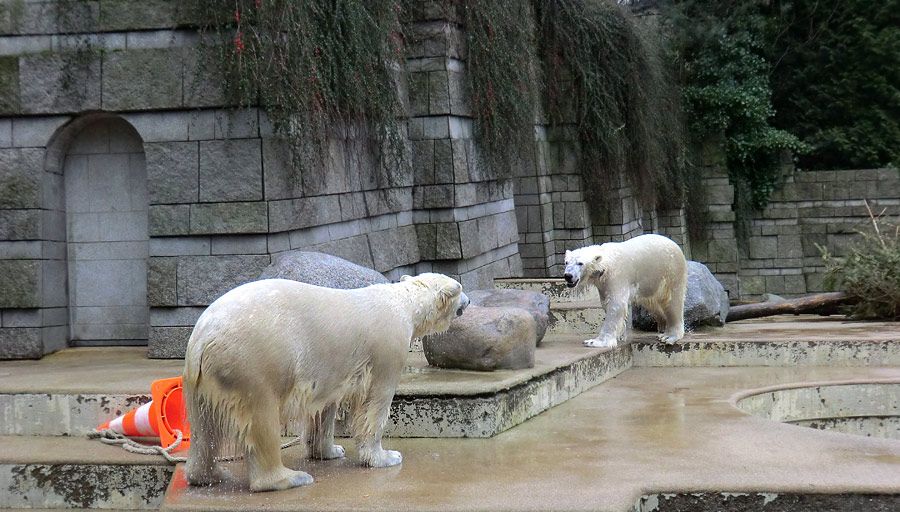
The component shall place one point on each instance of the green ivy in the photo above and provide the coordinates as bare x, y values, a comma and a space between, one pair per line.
725, 78
836, 79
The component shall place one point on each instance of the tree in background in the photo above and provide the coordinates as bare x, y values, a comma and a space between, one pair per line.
836, 79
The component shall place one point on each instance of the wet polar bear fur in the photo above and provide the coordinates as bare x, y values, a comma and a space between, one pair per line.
279, 351
647, 269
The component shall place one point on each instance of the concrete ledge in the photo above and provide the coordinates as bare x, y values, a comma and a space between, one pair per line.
769, 501
74, 472
429, 402
768, 353
476, 404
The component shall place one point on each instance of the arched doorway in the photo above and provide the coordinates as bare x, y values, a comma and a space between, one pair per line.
106, 205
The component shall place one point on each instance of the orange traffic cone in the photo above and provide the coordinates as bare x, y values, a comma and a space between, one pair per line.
159, 417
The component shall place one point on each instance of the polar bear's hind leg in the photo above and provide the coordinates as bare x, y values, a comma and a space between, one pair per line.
321, 436
263, 453
206, 440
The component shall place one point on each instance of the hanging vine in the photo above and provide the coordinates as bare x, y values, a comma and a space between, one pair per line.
321, 69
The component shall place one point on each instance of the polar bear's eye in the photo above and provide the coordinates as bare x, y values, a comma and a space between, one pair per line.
579, 263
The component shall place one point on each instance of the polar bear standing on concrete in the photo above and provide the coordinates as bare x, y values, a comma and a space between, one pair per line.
276, 351
649, 269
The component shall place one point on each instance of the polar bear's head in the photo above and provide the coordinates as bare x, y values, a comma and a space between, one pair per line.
583, 264
447, 300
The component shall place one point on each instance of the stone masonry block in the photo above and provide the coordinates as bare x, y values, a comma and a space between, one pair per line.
423, 162
203, 279
21, 343
459, 94
172, 172
470, 238
60, 82
20, 284
20, 224
203, 80
168, 342
9, 85
789, 246
438, 93
447, 241
392, 248
721, 250
354, 249
230, 170
169, 220
425, 237
433, 196
303, 213
282, 179
142, 79
763, 247
20, 177
161, 281
229, 218
123, 15
443, 162
418, 94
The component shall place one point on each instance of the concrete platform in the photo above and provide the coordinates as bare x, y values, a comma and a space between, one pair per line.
654, 433
74, 391
652, 438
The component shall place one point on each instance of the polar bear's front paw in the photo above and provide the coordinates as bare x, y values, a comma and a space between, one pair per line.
669, 338
386, 458
601, 342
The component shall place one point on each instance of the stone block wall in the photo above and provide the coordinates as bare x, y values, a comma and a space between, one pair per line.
222, 193
825, 208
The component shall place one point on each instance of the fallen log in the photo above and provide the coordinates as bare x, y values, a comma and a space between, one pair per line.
821, 303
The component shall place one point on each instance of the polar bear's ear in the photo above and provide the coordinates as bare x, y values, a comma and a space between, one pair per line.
447, 292
598, 258
405, 278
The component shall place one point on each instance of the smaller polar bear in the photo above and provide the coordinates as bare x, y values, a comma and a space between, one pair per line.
648, 269
278, 351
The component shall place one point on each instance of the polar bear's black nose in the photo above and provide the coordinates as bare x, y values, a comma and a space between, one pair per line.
567, 277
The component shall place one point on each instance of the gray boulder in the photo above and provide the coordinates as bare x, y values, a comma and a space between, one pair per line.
706, 302
321, 270
535, 303
485, 339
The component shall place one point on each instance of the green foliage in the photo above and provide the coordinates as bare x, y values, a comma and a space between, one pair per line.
503, 77
726, 89
870, 272
626, 105
321, 68
836, 79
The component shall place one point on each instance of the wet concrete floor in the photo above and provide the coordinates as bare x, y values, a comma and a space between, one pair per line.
649, 430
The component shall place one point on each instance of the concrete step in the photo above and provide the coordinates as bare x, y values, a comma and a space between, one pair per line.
429, 402
554, 288
74, 472
778, 341
580, 317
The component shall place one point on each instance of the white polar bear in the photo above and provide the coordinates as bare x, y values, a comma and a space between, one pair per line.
649, 269
277, 351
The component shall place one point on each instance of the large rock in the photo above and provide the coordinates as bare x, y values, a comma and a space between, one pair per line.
485, 339
321, 270
536, 303
706, 302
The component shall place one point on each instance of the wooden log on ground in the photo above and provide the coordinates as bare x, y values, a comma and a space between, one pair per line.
822, 303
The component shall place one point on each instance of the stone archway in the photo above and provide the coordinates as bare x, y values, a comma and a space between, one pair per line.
107, 241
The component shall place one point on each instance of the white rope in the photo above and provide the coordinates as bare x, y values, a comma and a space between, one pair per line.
111, 437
